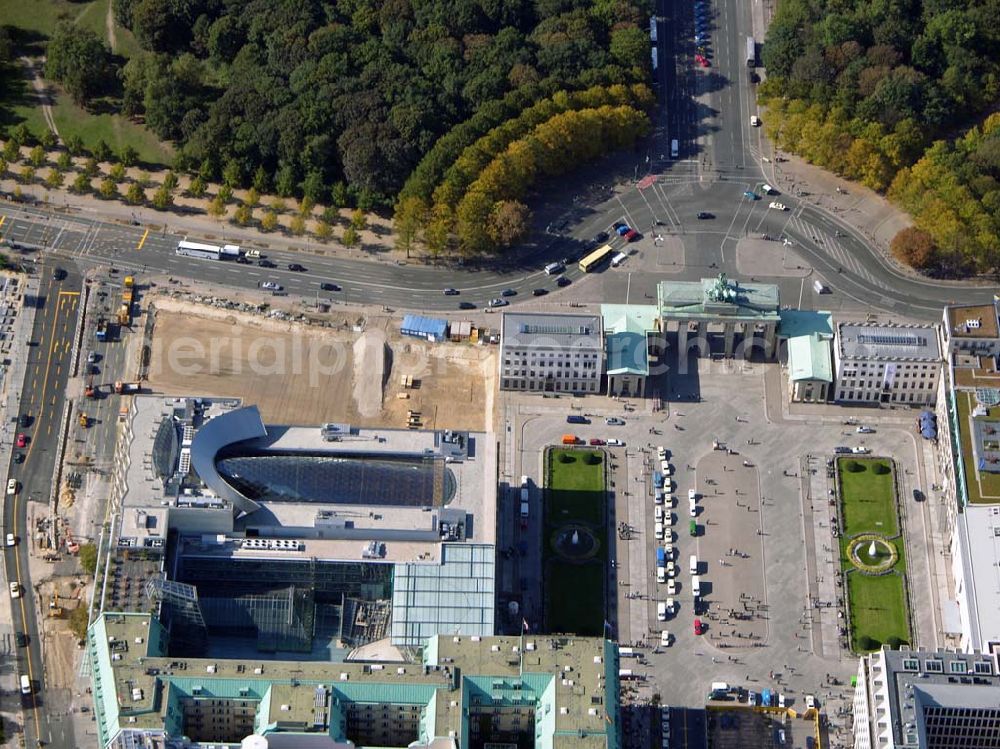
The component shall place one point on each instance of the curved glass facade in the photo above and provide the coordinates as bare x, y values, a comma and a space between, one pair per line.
326, 479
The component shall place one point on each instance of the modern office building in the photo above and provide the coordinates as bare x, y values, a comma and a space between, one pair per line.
461, 691
878, 364
926, 700
971, 329
552, 353
311, 541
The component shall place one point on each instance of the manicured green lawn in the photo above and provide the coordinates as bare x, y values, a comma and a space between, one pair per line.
575, 595
574, 493
576, 489
867, 497
878, 607
118, 131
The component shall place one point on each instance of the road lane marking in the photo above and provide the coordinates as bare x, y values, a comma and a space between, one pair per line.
2, 219
69, 293
143, 240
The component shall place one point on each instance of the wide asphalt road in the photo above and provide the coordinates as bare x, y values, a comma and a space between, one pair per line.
42, 399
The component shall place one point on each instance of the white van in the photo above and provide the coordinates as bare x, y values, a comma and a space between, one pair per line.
618, 259
553, 268
658, 497
661, 574
658, 531
658, 513
675, 148
661, 611
820, 288
25, 684
767, 189
693, 564
668, 519
695, 585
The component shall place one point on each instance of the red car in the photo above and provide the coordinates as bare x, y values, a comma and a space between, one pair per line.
698, 629
702, 60
596, 441
22, 440
631, 235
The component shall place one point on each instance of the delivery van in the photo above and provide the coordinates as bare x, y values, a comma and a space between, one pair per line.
694, 564
658, 531
569, 439
695, 585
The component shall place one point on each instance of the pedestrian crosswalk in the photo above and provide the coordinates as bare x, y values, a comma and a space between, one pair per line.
840, 256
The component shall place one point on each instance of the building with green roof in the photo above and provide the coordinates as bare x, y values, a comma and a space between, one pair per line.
631, 340
462, 691
810, 368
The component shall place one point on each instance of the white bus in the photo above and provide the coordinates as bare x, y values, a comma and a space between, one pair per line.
195, 249
751, 52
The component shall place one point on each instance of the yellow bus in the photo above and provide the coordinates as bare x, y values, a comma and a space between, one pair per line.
595, 258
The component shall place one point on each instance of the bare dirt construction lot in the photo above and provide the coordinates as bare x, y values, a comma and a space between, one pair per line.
300, 373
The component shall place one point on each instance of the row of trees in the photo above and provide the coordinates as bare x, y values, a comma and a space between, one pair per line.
865, 90
311, 91
490, 214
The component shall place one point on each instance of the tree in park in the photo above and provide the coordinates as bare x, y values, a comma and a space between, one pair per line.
11, 151
914, 247
197, 187
74, 144
350, 238
170, 180
217, 207
278, 205
260, 180
64, 161
225, 193
339, 195
81, 184
55, 179
108, 188
297, 225
102, 151
129, 156
323, 230
21, 135
37, 156
117, 171
509, 222
162, 198
306, 206
3, 166
411, 213
243, 215
135, 195
27, 175
79, 60
269, 221
358, 219
90, 167
48, 138
253, 197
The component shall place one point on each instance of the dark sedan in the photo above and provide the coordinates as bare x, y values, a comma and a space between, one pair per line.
296, 267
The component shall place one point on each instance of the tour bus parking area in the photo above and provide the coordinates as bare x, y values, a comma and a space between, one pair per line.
766, 556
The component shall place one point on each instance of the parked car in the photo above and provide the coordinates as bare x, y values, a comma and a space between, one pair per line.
451, 292
614, 421
93, 357
18, 458
601, 237
778, 206
865, 430
622, 230
596, 441
665, 638
698, 627
616, 443
702, 60
327, 286
632, 235
810, 701
705, 215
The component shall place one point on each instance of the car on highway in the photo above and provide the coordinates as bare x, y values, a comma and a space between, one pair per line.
327, 286
498, 302
596, 441
451, 292
266, 264
698, 627
93, 357
563, 281
18, 458
918, 496
11, 540
22, 440
15, 589
539, 292
754, 78
508, 292
296, 268
58, 274
24, 420
702, 60
243, 260
466, 305
705, 215
271, 286
777, 206
21, 639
